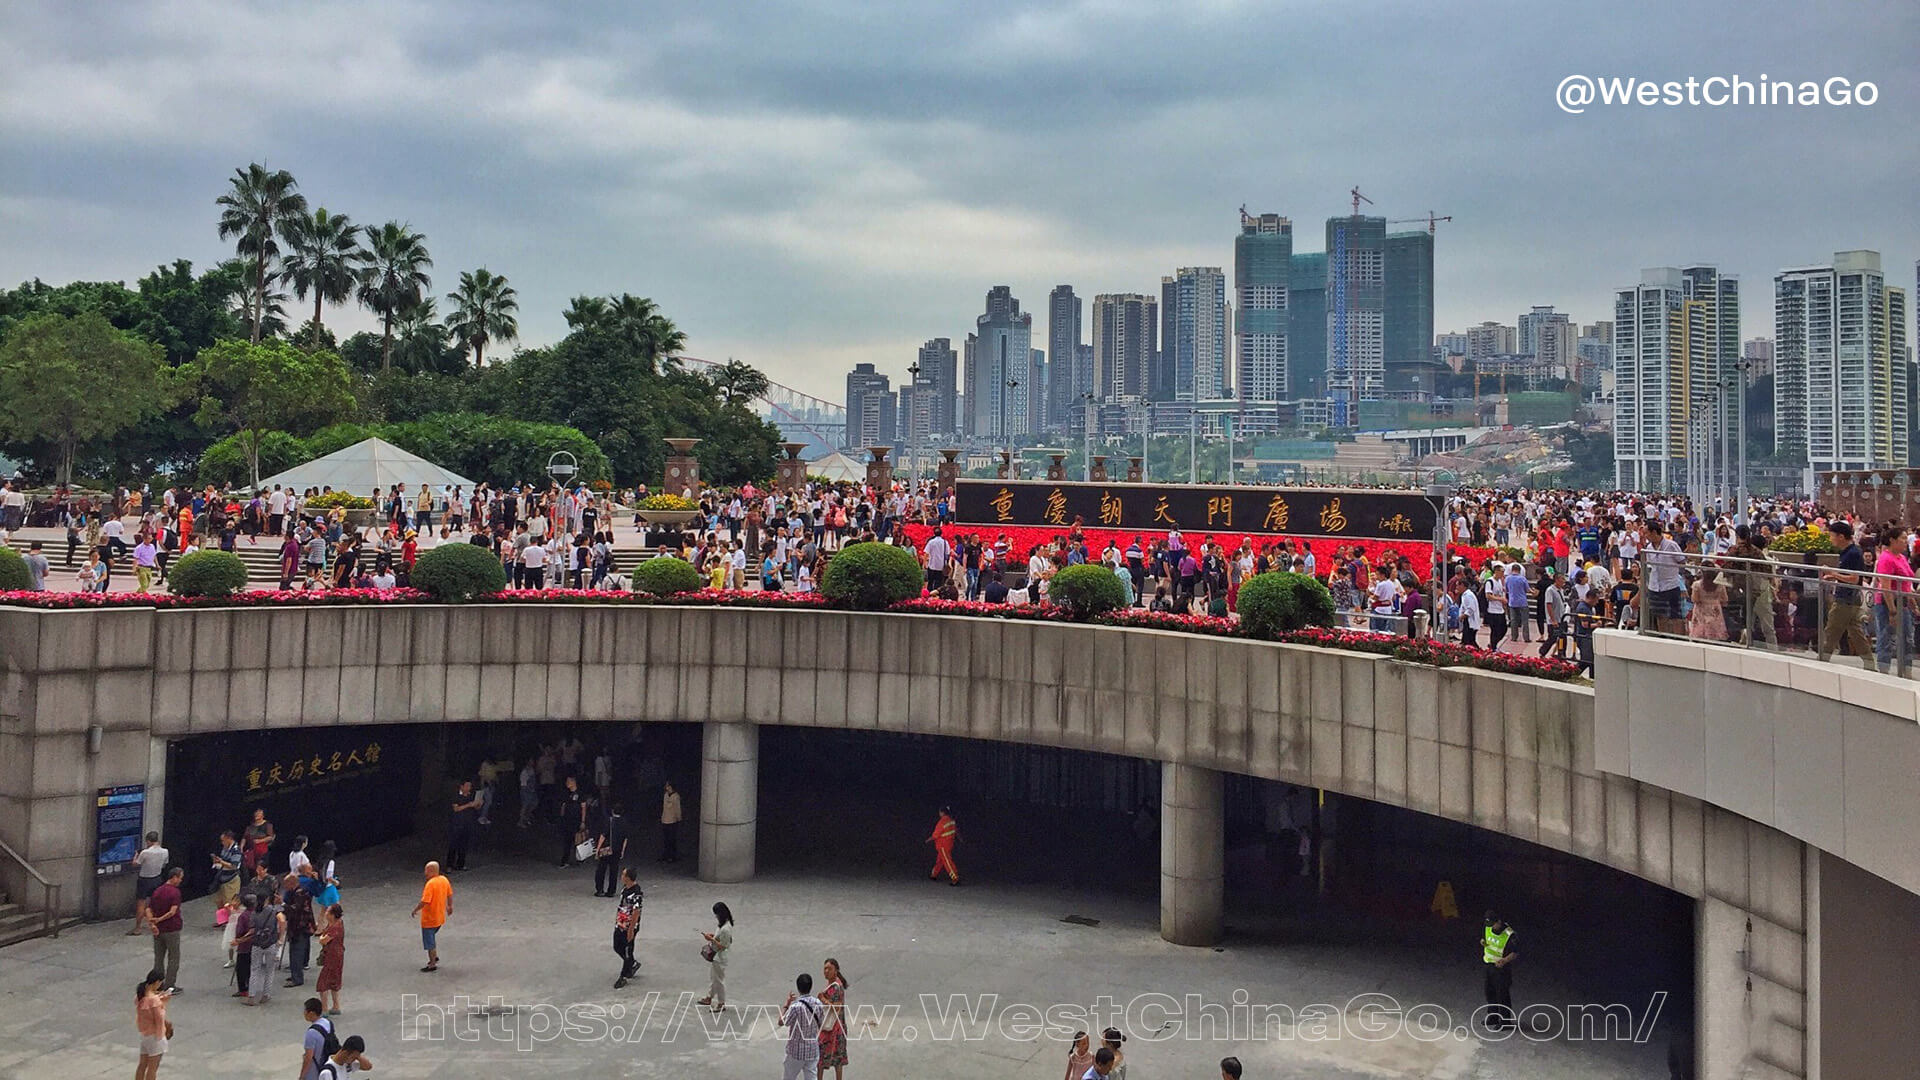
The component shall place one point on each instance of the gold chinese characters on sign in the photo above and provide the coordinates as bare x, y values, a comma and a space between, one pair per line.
1331, 519
1276, 519
265, 779
1003, 504
1160, 512
1109, 508
1056, 511
1220, 510
1397, 525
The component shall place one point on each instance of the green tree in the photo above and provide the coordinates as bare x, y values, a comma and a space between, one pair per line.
738, 382
421, 342
270, 321
586, 313
254, 388
483, 311
258, 212
73, 380
395, 278
324, 257
184, 312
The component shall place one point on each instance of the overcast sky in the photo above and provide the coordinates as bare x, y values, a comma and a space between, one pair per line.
808, 185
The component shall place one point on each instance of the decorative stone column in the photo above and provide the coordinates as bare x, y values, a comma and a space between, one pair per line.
879, 472
1193, 833
948, 469
1006, 464
1056, 466
729, 800
1100, 469
1134, 472
683, 469
790, 473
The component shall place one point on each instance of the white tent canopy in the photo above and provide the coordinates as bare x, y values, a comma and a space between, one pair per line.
838, 466
364, 466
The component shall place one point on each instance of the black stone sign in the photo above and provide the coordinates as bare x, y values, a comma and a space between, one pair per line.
1290, 511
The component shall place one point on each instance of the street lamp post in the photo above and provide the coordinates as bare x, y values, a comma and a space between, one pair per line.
913, 456
1193, 447
1740, 444
1006, 435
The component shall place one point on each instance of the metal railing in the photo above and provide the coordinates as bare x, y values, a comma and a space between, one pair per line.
49, 893
1809, 607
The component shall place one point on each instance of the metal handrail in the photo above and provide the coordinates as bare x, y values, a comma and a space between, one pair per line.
1891, 625
49, 893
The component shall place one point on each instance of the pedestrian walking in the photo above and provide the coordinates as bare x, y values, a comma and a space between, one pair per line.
466, 821
716, 953
946, 832
351, 1057
163, 914
626, 925
802, 1016
610, 851
243, 925
333, 960
296, 903
670, 825
319, 1042
833, 1027
269, 931
434, 908
226, 877
150, 1019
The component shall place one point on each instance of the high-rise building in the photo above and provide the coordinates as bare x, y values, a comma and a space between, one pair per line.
1262, 272
940, 375
1548, 336
999, 367
1065, 381
1037, 384
1491, 339
1163, 381
1356, 314
1407, 306
1839, 356
1200, 333
1125, 328
1527, 328
1450, 344
870, 408
1307, 326
1674, 335
969, 359
1758, 353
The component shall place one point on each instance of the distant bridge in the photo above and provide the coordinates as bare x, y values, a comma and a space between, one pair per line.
800, 416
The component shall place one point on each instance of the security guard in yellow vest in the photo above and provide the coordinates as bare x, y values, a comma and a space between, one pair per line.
1497, 957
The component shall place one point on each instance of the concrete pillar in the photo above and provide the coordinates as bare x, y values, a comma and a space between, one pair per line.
1192, 854
729, 800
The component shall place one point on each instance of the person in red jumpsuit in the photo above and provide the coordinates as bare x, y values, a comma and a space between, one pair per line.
945, 832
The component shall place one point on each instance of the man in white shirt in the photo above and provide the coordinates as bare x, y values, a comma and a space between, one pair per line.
938, 552
533, 564
1469, 612
276, 511
737, 566
150, 867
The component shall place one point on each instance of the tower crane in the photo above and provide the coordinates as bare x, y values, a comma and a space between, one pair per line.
1358, 199
1432, 219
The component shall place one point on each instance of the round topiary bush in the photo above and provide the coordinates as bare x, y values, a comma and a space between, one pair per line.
13, 571
871, 576
1086, 590
665, 575
1278, 601
208, 573
453, 573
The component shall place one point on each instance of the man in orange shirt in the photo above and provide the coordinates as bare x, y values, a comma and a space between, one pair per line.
436, 903
945, 832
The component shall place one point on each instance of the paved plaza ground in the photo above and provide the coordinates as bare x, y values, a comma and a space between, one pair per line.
528, 940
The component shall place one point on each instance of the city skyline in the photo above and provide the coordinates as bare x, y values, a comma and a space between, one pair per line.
814, 157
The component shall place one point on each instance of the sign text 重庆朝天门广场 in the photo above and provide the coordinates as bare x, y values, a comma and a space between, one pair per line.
1318, 512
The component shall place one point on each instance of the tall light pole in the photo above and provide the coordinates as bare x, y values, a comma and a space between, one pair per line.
1006, 435
1740, 507
913, 383
1193, 447
1087, 464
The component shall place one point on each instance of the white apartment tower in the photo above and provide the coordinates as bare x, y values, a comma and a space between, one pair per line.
1675, 335
1839, 365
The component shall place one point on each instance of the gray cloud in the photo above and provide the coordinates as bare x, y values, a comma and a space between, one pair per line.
805, 185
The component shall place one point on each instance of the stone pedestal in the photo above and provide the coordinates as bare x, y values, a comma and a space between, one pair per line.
790, 473
683, 469
879, 471
1056, 466
948, 469
729, 800
1134, 470
1193, 841
1005, 471
1099, 470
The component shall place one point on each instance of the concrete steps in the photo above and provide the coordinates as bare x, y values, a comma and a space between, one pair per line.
17, 924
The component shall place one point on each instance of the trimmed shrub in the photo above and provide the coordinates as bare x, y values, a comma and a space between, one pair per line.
871, 576
452, 573
665, 575
1279, 602
208, 573
13, 571
1087, 590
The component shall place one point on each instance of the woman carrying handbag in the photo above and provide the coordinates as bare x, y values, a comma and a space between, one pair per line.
716, 953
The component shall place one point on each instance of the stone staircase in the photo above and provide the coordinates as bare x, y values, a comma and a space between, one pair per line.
17, 924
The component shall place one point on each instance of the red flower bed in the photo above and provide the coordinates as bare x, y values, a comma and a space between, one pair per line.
1025, 538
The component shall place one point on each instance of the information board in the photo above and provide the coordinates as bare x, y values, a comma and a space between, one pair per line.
119, 813
1318, 512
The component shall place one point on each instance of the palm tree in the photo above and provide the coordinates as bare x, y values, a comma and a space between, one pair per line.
268, 321
395, 278
738, 382
260, 206
638, 322
420, 338
586, 313
483, 310
324, 258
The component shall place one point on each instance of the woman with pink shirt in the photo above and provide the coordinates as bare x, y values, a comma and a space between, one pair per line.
150, 1016
1893, 599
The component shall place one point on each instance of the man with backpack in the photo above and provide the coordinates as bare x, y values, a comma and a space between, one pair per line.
320, 1042
351, 1057
802, 1016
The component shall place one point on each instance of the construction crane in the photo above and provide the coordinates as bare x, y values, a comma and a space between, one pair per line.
1432, 219
1358, 199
